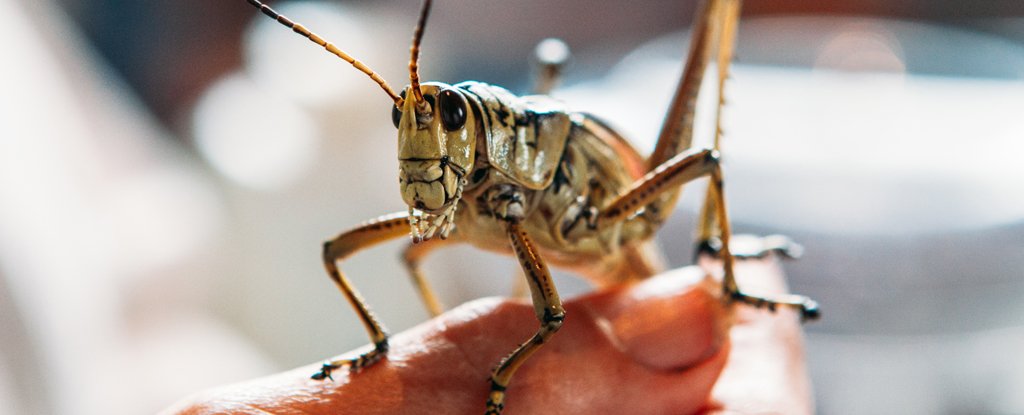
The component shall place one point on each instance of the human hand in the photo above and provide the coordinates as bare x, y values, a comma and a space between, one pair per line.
658, 346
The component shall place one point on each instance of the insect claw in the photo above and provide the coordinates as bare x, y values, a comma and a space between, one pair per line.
324, 373
809, 311
711, 247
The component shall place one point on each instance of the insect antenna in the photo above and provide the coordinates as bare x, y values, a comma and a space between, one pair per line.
414, 52
302, 30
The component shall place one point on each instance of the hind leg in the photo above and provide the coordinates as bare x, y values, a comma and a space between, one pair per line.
808, 308
681, 169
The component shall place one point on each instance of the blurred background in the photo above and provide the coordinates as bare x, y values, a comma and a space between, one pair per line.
169, 170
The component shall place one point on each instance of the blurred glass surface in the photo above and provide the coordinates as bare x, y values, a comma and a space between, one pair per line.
144, 257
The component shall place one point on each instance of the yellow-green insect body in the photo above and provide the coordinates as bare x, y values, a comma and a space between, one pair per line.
524, 175
504, 157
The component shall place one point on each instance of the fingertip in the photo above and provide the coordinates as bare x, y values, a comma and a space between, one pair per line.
669, 322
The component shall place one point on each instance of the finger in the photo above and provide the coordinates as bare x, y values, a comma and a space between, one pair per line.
645, 348
671, 321
653, 347
766, 372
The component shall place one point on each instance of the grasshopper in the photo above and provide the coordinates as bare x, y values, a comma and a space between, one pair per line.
525, 176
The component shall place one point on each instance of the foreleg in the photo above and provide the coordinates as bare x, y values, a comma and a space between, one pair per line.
375, 231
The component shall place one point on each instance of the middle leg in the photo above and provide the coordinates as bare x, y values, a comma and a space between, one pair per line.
411, 257
547, 306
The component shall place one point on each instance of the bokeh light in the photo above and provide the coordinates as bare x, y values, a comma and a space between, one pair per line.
257, 139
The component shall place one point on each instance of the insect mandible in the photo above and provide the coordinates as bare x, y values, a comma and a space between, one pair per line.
523, 175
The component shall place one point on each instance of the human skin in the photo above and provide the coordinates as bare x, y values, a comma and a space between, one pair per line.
666, 345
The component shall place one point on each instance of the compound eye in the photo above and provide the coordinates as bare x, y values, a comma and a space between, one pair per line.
453, 109
396, 115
